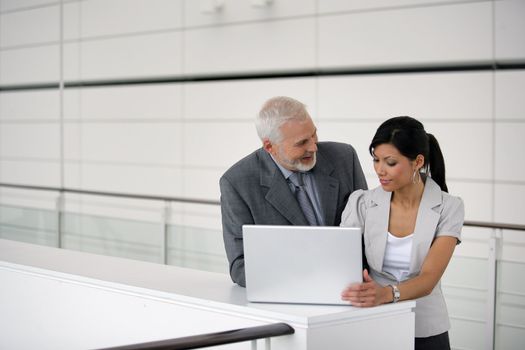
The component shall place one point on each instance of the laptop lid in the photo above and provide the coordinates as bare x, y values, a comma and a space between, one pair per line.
301, 264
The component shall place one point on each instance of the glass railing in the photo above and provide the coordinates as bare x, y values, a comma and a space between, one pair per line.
483, 284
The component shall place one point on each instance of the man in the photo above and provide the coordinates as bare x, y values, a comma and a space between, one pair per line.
292, 180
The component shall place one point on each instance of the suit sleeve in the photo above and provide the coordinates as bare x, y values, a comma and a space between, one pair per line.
359, 177
235, 212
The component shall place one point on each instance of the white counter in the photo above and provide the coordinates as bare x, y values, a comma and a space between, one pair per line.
57, 298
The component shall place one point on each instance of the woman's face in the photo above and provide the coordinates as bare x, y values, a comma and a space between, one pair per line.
394, 170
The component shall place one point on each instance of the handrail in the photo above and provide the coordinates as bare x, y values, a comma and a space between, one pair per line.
112, 194
212, 339
496, 225
484, 224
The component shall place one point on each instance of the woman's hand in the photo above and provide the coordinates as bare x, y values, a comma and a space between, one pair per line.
368, 293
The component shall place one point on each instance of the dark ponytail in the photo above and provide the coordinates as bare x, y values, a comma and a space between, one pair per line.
409, 136
436, 163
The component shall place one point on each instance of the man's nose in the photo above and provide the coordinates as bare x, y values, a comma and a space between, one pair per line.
312, 147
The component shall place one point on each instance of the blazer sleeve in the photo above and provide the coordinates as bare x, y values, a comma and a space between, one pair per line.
354, 213
452, 217
235, 213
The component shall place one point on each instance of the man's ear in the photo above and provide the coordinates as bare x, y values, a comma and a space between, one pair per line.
268, 146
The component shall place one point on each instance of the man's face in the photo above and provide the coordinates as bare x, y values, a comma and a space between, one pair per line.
298, 148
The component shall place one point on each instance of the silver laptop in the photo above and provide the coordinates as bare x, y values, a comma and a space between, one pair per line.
301, 264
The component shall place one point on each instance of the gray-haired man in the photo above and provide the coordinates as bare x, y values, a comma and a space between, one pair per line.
291, 180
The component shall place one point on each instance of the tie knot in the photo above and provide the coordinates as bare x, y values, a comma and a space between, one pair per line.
297, 179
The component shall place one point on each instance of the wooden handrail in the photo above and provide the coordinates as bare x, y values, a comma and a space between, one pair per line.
212, 339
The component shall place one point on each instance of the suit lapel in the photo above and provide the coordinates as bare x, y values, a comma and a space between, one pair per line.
279, 194
327, 188
377, 227
426, 224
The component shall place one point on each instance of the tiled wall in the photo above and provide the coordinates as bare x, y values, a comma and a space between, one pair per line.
175, 137
153, 102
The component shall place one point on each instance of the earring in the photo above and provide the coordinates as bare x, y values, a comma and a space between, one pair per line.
414, 181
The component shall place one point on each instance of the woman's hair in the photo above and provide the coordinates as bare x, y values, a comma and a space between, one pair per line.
274, 113
408, 135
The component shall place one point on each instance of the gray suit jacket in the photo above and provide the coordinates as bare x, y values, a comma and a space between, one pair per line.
254, 191
439, 214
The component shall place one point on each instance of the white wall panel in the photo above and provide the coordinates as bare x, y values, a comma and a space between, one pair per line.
30, 140
353, 5
71, 61
72, 26
510, 145
475, 245
510, 88
510, 30
73, 141
39, 25
218, 145
111, 17
10, 5
509, 205
467, 148
511, 252
152, 55
202, 183
201, 12
243, 99
407, 36
28, 198
160, 181
30, 172
477, 197
30, 65
137, 143
45, 104
358, 135
421, 95
146, 102
267, 46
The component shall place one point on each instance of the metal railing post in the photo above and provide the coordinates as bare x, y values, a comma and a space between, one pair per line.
492, 271
164, 239
60, 217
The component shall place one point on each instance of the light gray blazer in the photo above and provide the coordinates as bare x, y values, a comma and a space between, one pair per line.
254, 191
439, 214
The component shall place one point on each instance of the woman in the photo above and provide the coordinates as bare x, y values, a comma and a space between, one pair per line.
411, 226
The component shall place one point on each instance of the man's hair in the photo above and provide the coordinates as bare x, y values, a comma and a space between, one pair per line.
274, 113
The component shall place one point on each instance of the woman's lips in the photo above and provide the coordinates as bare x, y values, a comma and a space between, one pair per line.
384, 181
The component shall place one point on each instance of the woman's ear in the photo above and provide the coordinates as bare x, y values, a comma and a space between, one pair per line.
420, 161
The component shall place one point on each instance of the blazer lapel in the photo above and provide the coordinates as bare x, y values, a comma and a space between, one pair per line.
376, 227
327, 188
279, 194
426, 224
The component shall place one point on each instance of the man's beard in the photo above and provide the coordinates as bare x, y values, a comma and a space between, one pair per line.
297, 165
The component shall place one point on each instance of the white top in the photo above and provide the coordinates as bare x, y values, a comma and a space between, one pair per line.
397, 256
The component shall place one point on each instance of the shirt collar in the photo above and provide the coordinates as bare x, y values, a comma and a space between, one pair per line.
286, 173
